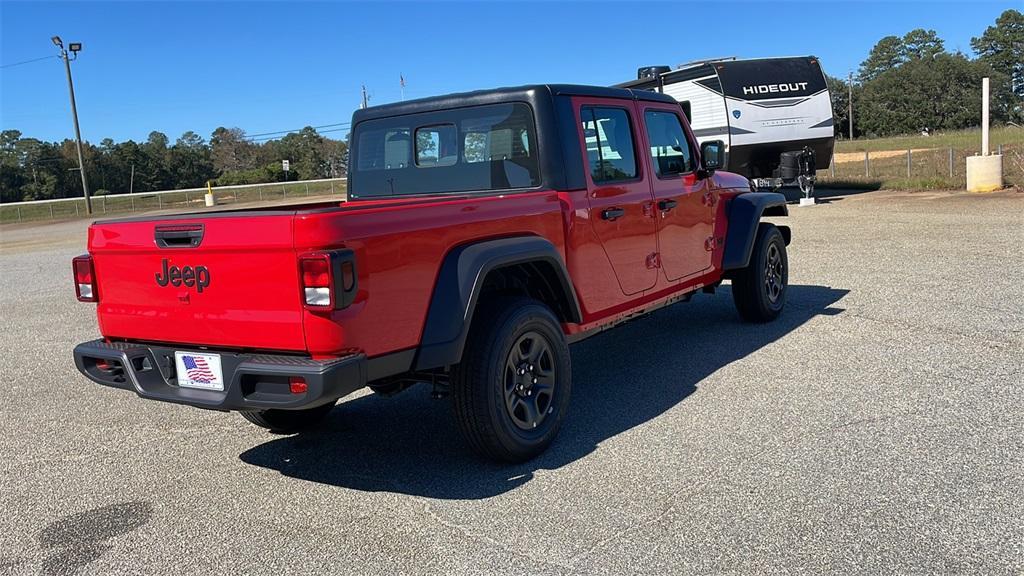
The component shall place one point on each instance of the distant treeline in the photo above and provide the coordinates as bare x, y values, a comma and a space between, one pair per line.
911, 84
31, 169
906, 85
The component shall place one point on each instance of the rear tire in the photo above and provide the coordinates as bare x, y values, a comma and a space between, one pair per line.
284, 421
759, 290
511, 390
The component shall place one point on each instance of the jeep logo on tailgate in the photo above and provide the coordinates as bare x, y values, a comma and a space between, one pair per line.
198, 276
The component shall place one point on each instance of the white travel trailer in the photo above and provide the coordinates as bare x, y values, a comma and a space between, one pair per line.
773, 114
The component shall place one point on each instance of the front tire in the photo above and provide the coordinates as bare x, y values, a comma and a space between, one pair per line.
759, 290
286, 421
511, 390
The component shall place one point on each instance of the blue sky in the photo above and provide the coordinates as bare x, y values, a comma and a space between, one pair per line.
273, 66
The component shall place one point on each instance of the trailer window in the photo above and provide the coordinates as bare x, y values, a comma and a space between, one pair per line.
477, 148
670, 151
609, 140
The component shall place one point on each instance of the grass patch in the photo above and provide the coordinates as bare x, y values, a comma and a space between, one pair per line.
968, 140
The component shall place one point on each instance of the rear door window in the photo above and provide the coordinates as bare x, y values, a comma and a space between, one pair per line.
609, 139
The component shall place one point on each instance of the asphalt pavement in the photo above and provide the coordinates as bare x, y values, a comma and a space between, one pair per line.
876, 427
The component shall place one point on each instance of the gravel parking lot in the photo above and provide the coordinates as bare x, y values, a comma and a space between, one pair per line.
877, 427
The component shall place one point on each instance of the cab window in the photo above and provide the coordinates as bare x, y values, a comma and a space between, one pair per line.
474, 148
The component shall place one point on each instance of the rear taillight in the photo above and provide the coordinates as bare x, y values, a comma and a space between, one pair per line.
317, 280
85, 279
329, 279
297, 385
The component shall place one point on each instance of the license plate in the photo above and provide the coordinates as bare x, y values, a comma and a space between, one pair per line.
767, 183
199, 370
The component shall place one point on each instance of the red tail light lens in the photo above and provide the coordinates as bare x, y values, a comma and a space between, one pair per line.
85, 279
317, 280
316, 272
297, 385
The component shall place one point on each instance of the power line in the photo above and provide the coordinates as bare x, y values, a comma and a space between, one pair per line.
283, 134
252, 136
27, 61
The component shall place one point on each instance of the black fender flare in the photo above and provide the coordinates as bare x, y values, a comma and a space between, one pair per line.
460, 282
744, 216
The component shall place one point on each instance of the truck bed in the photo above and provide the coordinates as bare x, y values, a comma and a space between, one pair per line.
253, 299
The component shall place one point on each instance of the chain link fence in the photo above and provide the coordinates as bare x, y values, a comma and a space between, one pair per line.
933, 168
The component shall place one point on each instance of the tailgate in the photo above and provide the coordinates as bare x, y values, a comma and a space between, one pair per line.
214, 281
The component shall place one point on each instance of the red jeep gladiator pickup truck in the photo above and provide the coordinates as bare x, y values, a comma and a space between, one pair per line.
483, 233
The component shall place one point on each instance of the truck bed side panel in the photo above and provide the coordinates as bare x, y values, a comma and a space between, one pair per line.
399, 250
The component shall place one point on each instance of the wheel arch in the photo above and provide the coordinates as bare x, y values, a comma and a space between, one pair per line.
528, 265
744, 218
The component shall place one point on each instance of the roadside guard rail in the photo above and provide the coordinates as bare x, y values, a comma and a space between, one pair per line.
64, 208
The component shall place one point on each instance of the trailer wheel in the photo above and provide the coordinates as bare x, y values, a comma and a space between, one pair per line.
511, 389
284, 421
759, 290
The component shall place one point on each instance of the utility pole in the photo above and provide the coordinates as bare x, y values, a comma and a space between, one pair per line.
131, 183
849, 102
366, 99
75, 47
984, 116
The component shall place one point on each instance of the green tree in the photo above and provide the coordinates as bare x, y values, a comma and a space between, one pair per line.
42, 186
888, 53
12, 176
1002, 47
939, 94
155, 170
231, 151
921, 44
190, 162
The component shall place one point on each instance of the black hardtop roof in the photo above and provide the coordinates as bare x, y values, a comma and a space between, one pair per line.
527, 93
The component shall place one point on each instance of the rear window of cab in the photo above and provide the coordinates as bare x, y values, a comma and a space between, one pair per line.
477, 148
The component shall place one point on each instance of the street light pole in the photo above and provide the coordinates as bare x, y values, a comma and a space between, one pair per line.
75, 47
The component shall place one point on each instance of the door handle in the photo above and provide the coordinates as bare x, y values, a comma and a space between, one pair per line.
612, 213
666, 205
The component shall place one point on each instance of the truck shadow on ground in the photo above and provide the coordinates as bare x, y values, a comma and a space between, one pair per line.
831, 193
622, 378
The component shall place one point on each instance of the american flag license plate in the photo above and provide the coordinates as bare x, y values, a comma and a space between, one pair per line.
199, 370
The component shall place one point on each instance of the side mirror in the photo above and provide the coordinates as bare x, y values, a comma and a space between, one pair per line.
712, 155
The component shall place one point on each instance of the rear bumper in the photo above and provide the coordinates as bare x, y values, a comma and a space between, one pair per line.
251, 381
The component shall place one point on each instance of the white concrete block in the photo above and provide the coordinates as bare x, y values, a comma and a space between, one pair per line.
984, 173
